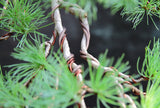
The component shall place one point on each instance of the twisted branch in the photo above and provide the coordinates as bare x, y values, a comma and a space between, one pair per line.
65, 46
76, 69
121, 81
94, 62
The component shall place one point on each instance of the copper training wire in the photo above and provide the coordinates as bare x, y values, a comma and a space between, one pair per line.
86, 32
76, 70
54, 35
61, 44
53, 9
70, 62
62, 37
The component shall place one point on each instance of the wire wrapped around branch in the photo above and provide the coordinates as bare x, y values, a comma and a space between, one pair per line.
94, 62
76, 10
64, 44
62, 37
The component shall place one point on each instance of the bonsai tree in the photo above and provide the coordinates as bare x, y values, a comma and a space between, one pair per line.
49, 78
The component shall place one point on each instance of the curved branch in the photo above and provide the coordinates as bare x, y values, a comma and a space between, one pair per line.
64, 43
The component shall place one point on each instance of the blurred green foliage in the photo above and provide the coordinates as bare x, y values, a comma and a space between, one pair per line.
133, 10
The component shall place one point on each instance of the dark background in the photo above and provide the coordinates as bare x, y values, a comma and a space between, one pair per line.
107, 32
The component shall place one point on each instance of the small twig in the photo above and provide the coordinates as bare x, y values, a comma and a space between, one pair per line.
48, 45
135, 90
132, 104
6, 36
26, 84
120, 93
128, 84
128, 77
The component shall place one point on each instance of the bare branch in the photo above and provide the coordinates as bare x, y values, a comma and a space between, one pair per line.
132, 104
134, 89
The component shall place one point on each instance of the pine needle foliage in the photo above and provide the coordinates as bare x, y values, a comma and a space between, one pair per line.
104, 85
151, 66
151, 100
22, 17
11, 92
120, 65
53, 86
151, 69
133, 10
